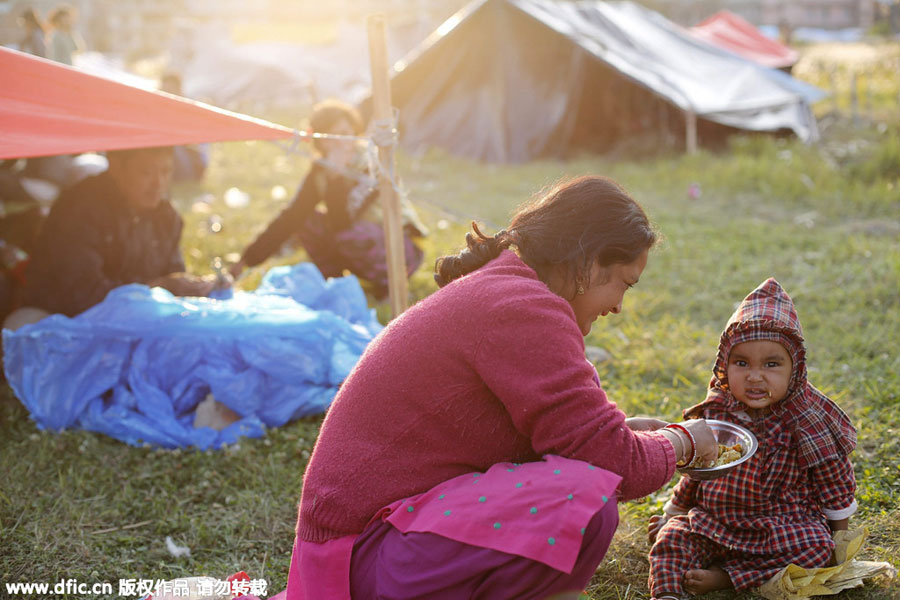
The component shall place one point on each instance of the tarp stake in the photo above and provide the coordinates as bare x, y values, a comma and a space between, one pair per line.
690, 123
381, 111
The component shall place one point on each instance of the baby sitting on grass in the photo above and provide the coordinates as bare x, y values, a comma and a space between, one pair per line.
783, 504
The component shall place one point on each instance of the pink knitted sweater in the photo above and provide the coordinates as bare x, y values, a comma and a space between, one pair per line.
488, 369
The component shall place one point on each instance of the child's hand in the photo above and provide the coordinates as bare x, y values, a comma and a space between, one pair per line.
656, 523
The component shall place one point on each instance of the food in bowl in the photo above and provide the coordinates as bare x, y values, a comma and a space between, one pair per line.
729, 435
728, 454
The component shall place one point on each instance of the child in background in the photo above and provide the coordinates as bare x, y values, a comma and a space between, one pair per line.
782, 505
336, 213
35, 39
65, 41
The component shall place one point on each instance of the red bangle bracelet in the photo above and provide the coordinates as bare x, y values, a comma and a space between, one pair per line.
690, 459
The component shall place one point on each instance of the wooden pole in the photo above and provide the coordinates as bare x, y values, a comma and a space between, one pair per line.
390, 203
690, 123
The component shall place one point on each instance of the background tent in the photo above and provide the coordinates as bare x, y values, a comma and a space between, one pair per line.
731, 32
508, 80
285, 75
47, 108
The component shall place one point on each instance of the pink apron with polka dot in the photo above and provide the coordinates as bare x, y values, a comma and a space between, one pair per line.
537, 510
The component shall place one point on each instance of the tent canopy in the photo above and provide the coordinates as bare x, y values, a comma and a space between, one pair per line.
47, 108
509, 80
279, 74
731, 32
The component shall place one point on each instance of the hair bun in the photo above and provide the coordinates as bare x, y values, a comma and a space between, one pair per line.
480, 249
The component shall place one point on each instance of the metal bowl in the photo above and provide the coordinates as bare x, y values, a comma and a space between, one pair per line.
728, 434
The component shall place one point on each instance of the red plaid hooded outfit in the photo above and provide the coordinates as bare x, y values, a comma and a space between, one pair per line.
773, 510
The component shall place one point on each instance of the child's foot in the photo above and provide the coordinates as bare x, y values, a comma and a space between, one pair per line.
701, 581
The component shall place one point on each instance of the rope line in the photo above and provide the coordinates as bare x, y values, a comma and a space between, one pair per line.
382, 134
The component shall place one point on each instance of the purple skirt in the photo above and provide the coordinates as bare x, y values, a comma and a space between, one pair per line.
534, 530
359, 249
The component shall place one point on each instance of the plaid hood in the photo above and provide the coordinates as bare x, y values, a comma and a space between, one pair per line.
768, 313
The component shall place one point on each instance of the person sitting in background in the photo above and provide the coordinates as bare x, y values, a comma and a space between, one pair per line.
348, 233
65, 42
110, 230
191, 160
35, 39
21, 217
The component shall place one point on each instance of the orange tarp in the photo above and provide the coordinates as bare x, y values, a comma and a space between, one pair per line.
47, 108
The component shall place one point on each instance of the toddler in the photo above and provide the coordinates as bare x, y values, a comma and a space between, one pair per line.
781, 506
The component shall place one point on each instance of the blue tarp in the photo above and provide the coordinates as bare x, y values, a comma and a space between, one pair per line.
136, 365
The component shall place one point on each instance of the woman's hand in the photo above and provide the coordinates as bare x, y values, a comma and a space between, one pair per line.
706, 444
644, 423
694, 442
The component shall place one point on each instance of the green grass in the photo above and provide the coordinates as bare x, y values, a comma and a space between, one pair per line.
866, 71
824, 220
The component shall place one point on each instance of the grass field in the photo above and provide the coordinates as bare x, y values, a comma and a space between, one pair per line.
823, 220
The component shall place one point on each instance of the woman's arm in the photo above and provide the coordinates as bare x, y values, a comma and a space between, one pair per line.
531, 356
175, 262
286, 224
645, 423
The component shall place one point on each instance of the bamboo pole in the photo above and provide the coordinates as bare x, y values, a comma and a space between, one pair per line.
390, 203
690, 124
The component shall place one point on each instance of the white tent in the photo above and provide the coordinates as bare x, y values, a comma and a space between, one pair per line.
508, 80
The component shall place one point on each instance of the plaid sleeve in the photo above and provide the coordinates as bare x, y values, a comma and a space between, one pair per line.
684, 496
835, 487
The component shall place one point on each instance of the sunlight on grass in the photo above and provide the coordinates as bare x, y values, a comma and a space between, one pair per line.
824, 220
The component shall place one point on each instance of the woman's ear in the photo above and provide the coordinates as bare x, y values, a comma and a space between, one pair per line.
581, 283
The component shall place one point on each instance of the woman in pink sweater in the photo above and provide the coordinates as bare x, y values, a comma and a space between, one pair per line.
472, 452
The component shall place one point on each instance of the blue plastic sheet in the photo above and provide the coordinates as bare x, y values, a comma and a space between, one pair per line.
136, 366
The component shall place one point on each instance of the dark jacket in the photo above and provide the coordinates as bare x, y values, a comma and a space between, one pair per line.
93, 241
317, 188
345, 200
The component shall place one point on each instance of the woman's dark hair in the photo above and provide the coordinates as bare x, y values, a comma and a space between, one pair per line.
562, 232
327, 113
